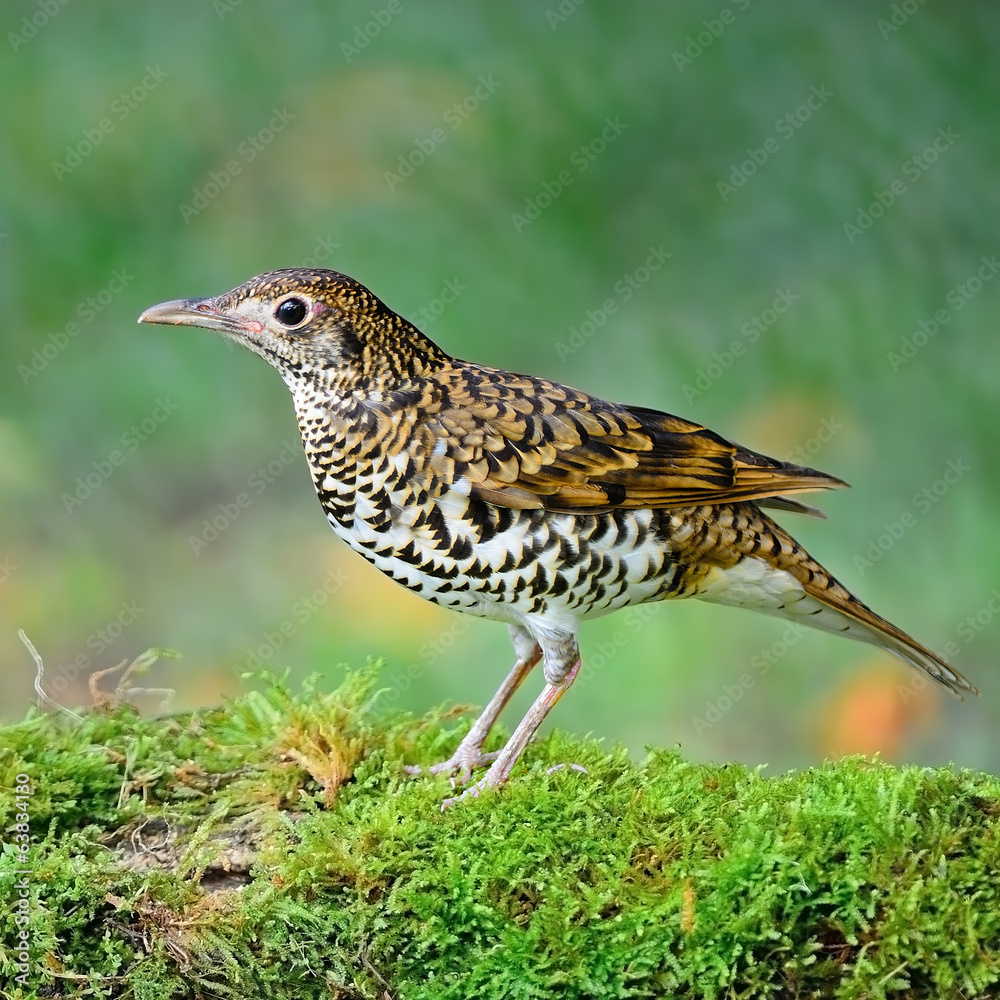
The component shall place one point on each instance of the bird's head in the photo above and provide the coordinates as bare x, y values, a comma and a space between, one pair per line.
312, 325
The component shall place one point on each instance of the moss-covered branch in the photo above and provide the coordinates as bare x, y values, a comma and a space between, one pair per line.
274, 847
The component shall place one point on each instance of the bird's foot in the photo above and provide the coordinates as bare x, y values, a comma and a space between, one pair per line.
473, 791
459, 766
494, 779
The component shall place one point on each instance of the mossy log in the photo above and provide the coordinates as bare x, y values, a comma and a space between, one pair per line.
275, 847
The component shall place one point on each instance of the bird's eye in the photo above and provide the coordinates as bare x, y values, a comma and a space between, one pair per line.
291, 312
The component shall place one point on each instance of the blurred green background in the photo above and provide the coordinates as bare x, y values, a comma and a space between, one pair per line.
160, 151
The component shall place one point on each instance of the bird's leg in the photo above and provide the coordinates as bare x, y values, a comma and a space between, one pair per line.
562, 664
469, 754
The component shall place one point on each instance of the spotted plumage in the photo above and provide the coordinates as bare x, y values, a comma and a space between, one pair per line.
518, 499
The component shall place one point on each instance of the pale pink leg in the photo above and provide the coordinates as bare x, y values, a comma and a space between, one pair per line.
500, 770
469, 754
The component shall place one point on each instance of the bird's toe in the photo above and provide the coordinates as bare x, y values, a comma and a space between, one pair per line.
459, 766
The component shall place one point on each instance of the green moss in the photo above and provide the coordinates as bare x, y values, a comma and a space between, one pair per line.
274, 847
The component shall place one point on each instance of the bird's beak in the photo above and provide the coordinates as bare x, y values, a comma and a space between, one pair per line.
193, 312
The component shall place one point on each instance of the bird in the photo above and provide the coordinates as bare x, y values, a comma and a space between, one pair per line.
515, 498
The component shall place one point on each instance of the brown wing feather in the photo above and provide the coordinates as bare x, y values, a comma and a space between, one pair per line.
525, 442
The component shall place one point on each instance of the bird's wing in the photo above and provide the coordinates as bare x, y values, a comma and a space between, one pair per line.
524, 442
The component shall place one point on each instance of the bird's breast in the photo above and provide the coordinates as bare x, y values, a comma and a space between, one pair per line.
460, 551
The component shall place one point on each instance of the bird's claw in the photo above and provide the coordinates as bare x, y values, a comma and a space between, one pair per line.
472, 792
459, 766
487, 781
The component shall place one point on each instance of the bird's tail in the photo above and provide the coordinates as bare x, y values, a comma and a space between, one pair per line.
851, 617
791, 584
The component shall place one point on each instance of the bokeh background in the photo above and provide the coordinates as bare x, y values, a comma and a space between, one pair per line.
499, 173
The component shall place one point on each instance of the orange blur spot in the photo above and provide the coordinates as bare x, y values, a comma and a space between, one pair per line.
877, 711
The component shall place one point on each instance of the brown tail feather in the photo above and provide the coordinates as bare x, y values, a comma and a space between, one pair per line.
835, 609
861, 623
